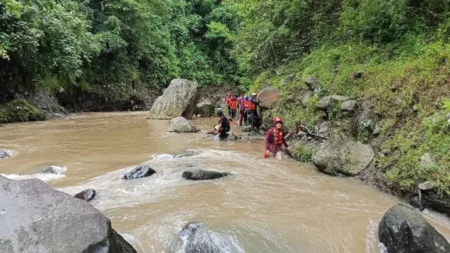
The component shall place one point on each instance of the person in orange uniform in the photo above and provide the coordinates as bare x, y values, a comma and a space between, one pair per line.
275, 140
234, 106
228, 102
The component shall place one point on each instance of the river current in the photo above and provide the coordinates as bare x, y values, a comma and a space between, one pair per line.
265, 206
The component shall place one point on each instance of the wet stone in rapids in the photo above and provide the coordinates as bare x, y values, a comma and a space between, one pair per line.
86, 195
197, 175
139, 172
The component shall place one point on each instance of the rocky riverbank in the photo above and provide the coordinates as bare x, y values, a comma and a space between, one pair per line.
348, 136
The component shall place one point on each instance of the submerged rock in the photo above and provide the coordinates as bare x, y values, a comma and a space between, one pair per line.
86, 195
246, 129
139, 172
404, 230
37, 218
229, 137
198, 175
268, 97
57, 170
4, 154
182, 125
179, 99
195, 238
347, 158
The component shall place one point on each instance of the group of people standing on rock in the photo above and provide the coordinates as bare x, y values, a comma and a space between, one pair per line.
248, 115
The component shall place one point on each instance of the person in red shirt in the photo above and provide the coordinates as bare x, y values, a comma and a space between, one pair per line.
275, 140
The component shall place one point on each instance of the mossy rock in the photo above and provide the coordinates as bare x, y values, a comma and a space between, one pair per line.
20, 110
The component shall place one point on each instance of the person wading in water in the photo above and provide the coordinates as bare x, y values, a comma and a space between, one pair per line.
223, 126
275, 140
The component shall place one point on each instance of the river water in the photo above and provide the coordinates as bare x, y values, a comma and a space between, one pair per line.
266, 206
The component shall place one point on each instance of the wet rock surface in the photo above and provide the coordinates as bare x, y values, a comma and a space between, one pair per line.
57, 170
404, 230
139, 172
86, 195
200, 175
179, 99
4, 154
36, 218
345, 158
182, 125
196, 238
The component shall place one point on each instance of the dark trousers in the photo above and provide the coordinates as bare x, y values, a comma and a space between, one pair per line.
229, 111
243, 117
253, 118
233, 113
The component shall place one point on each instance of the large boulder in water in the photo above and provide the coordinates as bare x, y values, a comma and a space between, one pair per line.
404, 230
86, 195
196, 238
139, 172
268, 96
336, 157
179, 99
36, 218
182, 125
197, 175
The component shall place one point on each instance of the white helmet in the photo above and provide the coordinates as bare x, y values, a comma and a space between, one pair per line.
253, 94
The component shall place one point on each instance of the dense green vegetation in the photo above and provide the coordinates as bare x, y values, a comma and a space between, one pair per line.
114, 47
399, 46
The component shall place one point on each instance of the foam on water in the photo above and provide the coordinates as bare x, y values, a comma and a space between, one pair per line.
43, 177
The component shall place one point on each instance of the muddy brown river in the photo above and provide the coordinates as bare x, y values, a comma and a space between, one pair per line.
266, 206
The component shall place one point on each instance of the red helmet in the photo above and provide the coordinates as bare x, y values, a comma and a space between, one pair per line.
277, 119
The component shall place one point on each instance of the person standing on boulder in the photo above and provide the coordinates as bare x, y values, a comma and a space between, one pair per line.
275, 140
224, 125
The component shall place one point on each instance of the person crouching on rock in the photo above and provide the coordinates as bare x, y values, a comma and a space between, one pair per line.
275, 140
224, 125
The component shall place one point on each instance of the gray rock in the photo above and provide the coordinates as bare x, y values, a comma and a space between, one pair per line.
198, 175
438, 202
36, 218
57, 170
305, 96
288, 80
314, 85
404, 230
447, 117
417, 203
268, 96
246, 129
364, 125
324, 128
4, 154
195, 238
230, 137
427, 160
347, 158
349, 106
139, 172
327, 101
206, 108
179, 99
426, 186
182, 125
86, 195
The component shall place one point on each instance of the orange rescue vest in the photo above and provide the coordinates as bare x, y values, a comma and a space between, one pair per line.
277, 136
234, 104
